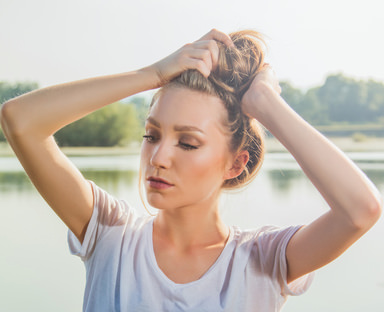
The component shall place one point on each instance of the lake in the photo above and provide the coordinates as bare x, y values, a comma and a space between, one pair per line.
37, 273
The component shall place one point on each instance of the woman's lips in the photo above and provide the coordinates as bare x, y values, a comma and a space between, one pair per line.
159, 183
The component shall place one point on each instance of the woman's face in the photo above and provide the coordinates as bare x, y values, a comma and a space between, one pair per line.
185, 155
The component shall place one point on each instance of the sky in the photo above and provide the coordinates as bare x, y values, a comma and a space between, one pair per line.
51, 41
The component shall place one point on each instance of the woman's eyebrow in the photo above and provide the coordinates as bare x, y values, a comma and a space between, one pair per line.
187, 129
153, 122
178, 128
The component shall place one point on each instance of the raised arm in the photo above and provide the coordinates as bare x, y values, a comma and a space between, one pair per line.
29, 122
354, 201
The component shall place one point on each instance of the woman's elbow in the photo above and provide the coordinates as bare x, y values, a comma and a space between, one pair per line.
10, 123
377, 208
371, 213
5, 113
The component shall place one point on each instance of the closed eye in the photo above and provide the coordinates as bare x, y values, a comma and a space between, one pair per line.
187, 147
149, 138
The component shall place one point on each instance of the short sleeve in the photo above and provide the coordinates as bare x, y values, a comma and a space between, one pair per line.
108, 213
273, 244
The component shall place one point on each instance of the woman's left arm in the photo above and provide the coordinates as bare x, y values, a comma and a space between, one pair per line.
354, 201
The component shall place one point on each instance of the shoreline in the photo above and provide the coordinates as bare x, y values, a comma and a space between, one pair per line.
346, 144
272, 145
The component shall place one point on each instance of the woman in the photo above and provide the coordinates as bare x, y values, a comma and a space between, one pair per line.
201, 137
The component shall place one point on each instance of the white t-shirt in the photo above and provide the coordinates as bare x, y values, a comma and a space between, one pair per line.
122, 273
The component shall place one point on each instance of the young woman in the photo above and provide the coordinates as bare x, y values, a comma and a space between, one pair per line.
201, 136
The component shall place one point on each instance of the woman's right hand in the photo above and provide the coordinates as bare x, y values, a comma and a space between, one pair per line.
201, 55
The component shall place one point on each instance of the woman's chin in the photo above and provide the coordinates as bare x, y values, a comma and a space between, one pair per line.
157, 201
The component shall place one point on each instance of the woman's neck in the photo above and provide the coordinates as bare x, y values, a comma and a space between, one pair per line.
191, 227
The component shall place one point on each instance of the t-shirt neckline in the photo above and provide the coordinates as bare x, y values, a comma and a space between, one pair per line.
164, 277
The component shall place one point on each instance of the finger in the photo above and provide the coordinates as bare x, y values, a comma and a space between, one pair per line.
218, 36
211, 46
194, 56
199, 65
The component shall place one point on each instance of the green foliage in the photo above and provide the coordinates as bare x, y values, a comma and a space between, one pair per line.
2, 137
142, 105
344, 99
292, 95
115, 124
338, 106
306, 104
9, 91
339, 100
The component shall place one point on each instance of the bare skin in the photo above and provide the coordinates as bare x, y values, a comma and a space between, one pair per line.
186, 147
355, 204
29, 122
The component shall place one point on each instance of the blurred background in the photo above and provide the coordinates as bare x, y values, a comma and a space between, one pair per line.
328, 55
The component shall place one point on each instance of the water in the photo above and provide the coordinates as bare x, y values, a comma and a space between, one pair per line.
37, 273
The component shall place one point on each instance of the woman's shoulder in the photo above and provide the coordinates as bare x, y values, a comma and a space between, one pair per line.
263, 234
113, 210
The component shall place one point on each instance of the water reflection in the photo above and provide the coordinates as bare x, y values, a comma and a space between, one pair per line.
14, 181
281, 195
377, 177
113, 179
280, 171
283, 180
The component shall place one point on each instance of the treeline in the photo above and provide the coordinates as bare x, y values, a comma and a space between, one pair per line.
341, 102
117, 124
9, 91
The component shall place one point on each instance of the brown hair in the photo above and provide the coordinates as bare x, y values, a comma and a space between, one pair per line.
237, 67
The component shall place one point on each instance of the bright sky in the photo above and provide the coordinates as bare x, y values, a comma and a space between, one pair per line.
52, 41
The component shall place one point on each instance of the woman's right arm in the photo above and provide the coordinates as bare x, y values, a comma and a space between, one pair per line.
29, 122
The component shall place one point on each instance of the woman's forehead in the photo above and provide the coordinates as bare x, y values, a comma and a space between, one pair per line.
183, 106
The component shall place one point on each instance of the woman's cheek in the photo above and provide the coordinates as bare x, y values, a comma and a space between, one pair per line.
207, 165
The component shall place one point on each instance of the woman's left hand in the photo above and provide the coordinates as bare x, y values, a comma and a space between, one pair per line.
256, 97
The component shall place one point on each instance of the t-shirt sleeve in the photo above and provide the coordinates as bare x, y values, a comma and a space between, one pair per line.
108, 213
273, 243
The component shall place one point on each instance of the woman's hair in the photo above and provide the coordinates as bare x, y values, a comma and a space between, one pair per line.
237, 67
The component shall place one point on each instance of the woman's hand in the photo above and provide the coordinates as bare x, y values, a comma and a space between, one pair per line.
256, 98
201, 55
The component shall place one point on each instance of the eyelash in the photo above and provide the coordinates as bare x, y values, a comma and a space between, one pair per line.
149, 138
187, 147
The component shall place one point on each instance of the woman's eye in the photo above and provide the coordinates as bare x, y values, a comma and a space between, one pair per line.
149, 138
187, 147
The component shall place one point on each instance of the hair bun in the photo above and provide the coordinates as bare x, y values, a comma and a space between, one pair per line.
237, 66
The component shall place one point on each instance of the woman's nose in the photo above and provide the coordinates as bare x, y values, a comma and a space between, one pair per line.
161, 156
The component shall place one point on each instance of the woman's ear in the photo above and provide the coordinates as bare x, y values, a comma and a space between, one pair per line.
238, 165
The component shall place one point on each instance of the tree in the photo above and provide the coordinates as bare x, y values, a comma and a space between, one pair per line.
2, 137
345, 99
291, 95
9, 91
115, 124
306, 104
141, 105
375, 100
